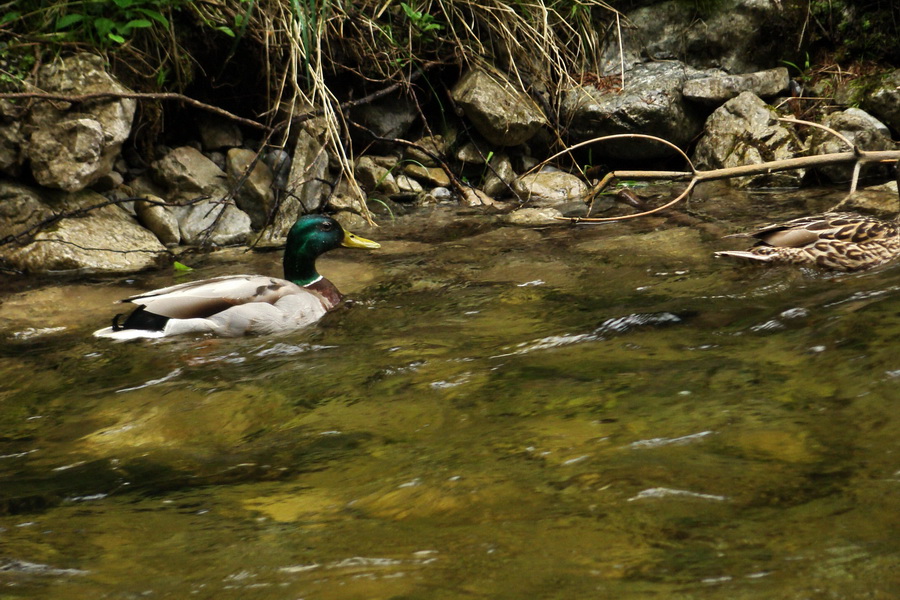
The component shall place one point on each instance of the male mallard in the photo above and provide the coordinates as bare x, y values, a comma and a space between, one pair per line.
836, 241
235, 305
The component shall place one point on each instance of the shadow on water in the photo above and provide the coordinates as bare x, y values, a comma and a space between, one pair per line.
557, 412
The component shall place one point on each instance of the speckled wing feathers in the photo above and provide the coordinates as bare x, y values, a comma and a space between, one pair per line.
837, 241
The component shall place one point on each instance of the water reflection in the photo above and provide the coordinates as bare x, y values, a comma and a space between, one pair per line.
592, 412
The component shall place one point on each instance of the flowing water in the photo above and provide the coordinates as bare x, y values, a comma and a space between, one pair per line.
557, 412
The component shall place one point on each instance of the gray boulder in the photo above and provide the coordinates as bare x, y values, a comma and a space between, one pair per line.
862, 129
107, 239
715, 90
71, 147
549, 188
255, 197
746, 131
651, 103
884, 100
186, 174
738, 36
500, 113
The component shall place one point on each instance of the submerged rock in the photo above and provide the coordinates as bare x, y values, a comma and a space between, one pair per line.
533, 216
549, 188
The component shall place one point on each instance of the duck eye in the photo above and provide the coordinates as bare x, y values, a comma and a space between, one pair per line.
326, 226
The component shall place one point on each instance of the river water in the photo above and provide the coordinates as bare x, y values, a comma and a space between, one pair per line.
503, 412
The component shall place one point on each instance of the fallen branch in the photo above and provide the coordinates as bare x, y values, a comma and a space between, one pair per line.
856, 156
80, 98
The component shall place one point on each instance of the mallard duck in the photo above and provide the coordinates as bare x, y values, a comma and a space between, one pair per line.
835, 241
236, 305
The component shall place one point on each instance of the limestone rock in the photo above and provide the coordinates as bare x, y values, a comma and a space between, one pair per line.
71, 147
347, 198
438, 195
232, 227
187, 171
549, 188
159, 219
884, 100
746, 131
533, 216
735, 35
719, 88
374, 177
434, 144
255, 197
106, 239
502, 114
408, 186
861, 128
309, 167
651, 104
498, 181
435, 176
186, 174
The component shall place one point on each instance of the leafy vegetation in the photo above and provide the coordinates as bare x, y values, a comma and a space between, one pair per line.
852, 30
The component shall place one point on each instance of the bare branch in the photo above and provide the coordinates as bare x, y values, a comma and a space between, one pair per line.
857, 156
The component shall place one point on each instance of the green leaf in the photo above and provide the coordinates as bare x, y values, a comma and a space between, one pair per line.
156, 16
104, 26
181, 267
411, 14
138, 24
226, 30
67, 20
9, 17
115, 37
124, 3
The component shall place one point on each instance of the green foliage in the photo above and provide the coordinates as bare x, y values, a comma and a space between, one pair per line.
855, 30
423, 22
97, 22
15, 64
804, 73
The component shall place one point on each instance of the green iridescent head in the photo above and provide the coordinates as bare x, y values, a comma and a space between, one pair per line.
310, 237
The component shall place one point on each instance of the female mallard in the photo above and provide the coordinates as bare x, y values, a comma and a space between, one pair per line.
836, 241
236, 305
